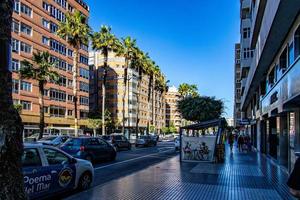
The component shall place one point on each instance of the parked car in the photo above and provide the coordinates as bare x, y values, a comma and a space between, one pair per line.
34, 137
54, 140
145, 140
48, 171
89, 148
177, 143
118, 141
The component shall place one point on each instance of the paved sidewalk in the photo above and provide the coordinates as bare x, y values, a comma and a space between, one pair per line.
242, 176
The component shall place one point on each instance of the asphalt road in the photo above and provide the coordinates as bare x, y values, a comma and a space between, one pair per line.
128, 162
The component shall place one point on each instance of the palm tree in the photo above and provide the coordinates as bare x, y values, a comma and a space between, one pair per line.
76, 30
105, 42
128, 51
155, 74
11, 128
42, 72
188, 90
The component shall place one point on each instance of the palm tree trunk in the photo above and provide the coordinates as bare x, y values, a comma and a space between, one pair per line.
124, 94
11, 144
75, 62
103, 89
41, 103
138, 102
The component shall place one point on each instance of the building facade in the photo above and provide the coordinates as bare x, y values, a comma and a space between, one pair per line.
173, 116
237, 87
136, 103
271, 90
34, 25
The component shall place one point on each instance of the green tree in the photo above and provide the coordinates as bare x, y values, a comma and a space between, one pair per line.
172, 128
200, 108
41, 71
94, 123
76, 30
165, 130
186, 90
11, 128
105, 41
18, 108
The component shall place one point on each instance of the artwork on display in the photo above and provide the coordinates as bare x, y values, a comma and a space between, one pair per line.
198, 148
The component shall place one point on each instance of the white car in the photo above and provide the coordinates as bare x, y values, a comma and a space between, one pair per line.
177, 143
49, 171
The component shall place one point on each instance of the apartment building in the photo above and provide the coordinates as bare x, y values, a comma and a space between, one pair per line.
237, 87
173, 116
137, 109
34, 25
270, 85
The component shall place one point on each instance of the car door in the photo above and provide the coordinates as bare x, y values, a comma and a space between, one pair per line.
63, 170
94, 149
105, 149
37, 178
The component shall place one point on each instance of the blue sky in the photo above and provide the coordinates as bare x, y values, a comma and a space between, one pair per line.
191, 40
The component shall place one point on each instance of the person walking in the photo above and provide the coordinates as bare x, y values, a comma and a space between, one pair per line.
231, 141
293, 181
240, 143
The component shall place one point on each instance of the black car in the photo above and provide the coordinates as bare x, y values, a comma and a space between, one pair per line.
89, 148
118, 141
145, 140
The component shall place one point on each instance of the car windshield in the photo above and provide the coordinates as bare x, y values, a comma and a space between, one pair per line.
48, 138
106, 137
73, 142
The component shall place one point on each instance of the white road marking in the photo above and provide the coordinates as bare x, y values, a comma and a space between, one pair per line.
125, 161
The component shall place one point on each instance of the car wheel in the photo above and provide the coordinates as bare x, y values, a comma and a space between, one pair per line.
89, 158
85, 181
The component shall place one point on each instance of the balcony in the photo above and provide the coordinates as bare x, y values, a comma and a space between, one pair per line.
284, 91
257, 15
278, 18
246, 4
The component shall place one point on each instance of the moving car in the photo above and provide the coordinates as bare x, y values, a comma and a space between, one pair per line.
48, 171
117, 141
145, 140
89, 148
54, 140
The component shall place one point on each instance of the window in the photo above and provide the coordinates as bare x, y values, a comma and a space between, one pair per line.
53, 27
246, 33
17, 6
15, 64
15, 45
84, 101
15, 26
70, 112
58, 47
84, 87
62, 3
70, 83
70, 98
84, 73
93, 141
46, 109
70, 67
46, 93
45, 40
56, 13
26, 10
57, 95
15, 86
46, 6
26, 105
70, 8
45, 23
56, 111
84, 47
291, 53
283, 60
60, 64
25, 47
26, 29
248, 53
70, 53
84, 114
297, 42
84, 59
55, 157
25, 86
62, 81
31, 158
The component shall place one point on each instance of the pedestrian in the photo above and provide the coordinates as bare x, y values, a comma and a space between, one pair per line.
294, 181
240, 143
231, 141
